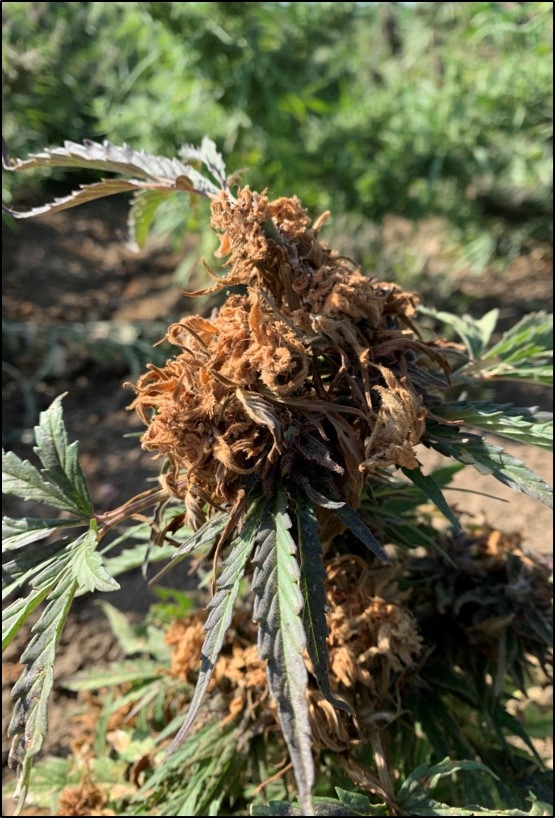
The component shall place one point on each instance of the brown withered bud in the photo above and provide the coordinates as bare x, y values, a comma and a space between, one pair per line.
311, 344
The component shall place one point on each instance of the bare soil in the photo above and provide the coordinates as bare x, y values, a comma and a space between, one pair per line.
75, 268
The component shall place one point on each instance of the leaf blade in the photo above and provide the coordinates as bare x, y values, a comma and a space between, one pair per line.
315, 606
87, 565
17, 533
525, 425
354, 523
281, 639
18, 612
60, 458
221, 612
143, 209
474, 332
83, 195
32, 690
487, 459
429, 487
21, 479
104, 157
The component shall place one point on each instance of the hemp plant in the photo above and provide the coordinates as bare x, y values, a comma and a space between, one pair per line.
278, 421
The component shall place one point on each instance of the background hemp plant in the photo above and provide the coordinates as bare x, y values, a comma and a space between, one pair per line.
286, 422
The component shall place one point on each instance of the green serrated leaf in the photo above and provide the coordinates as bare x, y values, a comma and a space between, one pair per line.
52, 569
541, 374
22, 479
428, 806
358, 802
104, 157
525, 425
275, 808
60, 460
50, 776
61, 483
221, 610
210, 775
524, 353
209, 156
431, 807
448, 767
314, 489
38, 567
87, 565
204, 792
156, 172
84, 195
353, 521
473, 450
144, 694
414, 793
26, 530
474, 332
134, 556
132, 638
432, 491
18, 612
315, 606
281, 639
142, 212
116, 673
530, 338
32, 690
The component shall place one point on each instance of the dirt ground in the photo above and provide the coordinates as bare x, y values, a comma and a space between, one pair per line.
76, 268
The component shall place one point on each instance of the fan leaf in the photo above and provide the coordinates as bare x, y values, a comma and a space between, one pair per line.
60, 460
474, 332
26, 530
429, 487
414, 793
354, 522
524, 347
61, 482
22, 479
281, 639
154, 172
116, 673
135, 557
525, 425
210, 158
315, 604
142, 212
18, 612
83, 195
29, 563
104, 157
88, 566
473, 450
524, 352
32, 690
221, 611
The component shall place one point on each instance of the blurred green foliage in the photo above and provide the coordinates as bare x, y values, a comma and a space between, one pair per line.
419, 110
